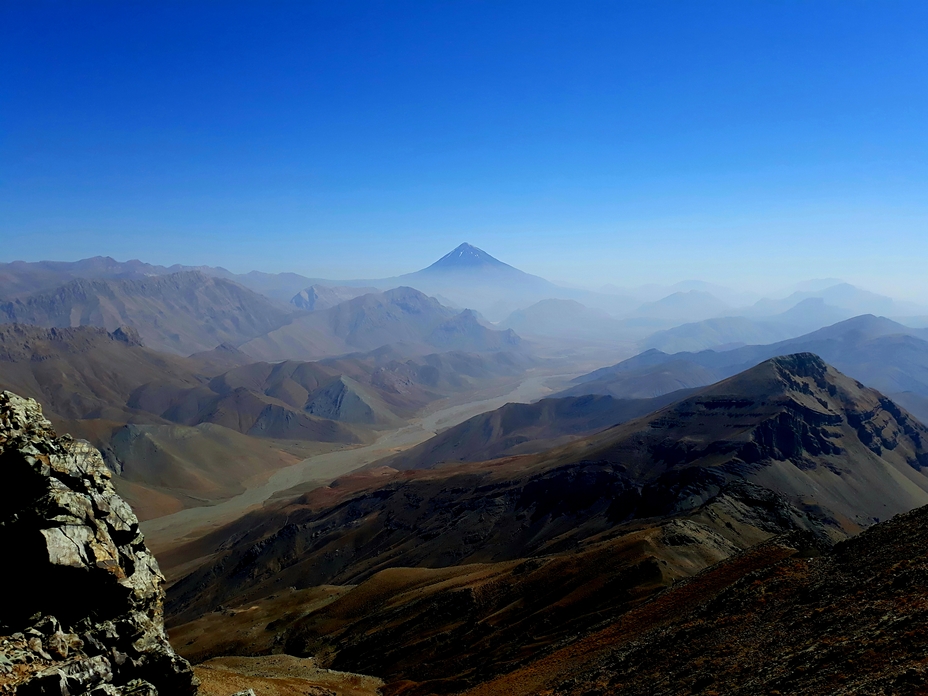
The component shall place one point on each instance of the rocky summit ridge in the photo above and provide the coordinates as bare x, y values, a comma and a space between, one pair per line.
82, 607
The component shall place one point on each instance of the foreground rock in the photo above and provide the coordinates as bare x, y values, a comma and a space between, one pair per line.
81, 608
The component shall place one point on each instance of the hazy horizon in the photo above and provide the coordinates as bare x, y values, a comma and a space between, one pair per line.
772, 290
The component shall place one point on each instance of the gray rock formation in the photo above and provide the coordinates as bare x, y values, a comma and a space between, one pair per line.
81, 610
318, 297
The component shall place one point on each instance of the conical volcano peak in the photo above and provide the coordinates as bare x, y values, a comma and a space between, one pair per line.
466, 256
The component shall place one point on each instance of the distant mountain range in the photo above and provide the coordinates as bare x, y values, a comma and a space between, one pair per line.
399, 316
690, 315
21, 278
188, 431
683, 306
466, 277
653, 291
182, 313
188, 312
841, 295
565, 319
731, 332
877, 351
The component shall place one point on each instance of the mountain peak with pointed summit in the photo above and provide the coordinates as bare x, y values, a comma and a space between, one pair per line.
466, 256
470, 277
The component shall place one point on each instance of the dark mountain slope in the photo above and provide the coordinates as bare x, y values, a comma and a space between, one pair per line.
180, 313
524, 429
793, 424
850, 622
450, 625
648, 381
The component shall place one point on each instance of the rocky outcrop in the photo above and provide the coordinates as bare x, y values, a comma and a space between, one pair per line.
81, 605
318, 297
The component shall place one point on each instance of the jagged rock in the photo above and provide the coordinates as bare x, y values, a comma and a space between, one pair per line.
74, 677
82, 607
58, 645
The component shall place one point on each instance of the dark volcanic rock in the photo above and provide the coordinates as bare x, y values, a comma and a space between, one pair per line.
82, 600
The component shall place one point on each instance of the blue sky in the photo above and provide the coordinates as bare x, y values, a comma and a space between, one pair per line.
752, 143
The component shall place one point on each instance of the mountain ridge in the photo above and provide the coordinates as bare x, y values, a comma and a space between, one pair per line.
182, 313
875, 350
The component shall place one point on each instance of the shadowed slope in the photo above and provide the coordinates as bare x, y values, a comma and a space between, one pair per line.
525, 429
791, 423
846, 623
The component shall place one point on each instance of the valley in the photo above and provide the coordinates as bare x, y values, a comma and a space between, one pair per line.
168, 531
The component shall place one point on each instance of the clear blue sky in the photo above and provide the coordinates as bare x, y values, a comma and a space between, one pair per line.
623, 142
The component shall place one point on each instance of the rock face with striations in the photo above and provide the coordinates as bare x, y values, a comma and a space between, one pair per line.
81, 605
